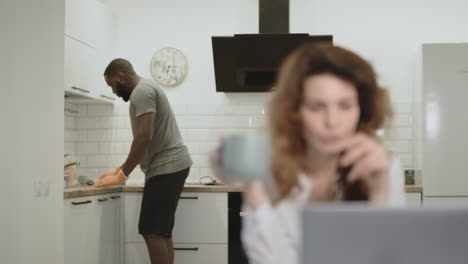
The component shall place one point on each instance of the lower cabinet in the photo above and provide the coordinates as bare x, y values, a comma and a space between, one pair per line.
184, 253
446, 202
92, 229
413, 199
200, 231
103, 229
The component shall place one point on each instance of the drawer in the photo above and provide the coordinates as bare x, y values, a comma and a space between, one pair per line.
201, 253
200, 218
413, 199
184, 253
446, 202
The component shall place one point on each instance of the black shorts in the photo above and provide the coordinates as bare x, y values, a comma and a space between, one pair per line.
160, 198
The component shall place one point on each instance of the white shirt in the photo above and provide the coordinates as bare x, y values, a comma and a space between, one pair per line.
272, 235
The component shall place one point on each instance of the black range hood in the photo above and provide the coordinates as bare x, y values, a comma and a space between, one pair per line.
249, 62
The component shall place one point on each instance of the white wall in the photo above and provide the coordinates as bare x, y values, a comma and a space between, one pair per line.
103, 135
145, 26
387, 33
31, 73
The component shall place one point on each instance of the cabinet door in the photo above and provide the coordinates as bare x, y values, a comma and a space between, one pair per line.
80, 17
201, 218
114, 218
200, 253
77, 67
136, 253
108, 235
103, 91
91, 22
103, 30
183, 253
445, 202
95, 231
131, 216
77, 220
413, 199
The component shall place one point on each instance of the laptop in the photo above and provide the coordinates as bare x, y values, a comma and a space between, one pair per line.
357, 234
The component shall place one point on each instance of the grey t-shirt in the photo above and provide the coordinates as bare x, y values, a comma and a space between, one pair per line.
166, 152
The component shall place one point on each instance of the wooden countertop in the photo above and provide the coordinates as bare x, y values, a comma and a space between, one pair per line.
87, 191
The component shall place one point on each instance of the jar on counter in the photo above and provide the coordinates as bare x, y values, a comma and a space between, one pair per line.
409, 177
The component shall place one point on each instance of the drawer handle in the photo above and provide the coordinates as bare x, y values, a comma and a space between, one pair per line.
80, 89
115, 197
187, 249
189, 197
108, 97
84, 202
102, 200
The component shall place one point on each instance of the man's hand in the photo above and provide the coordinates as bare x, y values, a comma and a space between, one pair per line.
112, 172
113, 177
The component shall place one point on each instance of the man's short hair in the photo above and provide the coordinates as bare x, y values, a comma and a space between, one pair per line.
118, 65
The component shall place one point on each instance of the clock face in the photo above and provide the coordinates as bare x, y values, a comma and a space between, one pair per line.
168, 67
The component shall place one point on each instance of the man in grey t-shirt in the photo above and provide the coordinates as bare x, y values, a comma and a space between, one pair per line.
158, 147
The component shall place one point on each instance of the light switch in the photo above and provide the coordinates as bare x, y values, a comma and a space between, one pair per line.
45, 188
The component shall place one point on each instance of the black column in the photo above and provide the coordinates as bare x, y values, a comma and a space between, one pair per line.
274, 16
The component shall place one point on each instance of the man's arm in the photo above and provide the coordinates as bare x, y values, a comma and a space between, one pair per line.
144, 126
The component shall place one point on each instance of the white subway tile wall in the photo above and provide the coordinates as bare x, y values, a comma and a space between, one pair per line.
100, 135
70, 130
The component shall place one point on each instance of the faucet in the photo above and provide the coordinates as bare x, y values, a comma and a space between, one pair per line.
71, 164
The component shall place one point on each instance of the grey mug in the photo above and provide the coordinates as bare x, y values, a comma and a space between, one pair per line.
245, 157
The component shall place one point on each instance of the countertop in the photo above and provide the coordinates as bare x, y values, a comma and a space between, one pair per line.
87, 191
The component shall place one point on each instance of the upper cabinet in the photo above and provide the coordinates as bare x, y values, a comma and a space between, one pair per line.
78, 58
91, 22
89, 47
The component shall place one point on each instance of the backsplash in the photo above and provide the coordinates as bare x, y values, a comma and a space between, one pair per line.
99, 135
70, 130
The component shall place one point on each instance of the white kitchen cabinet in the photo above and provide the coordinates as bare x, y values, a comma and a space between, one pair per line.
202, 218
131, 213
108, 208
92, 229
136, 253
183, 253
84, 71
78, 58
200, 231
89, 47
77, 219
99, 64
413, 199
445, 202
78, 20
200, 253
91, 22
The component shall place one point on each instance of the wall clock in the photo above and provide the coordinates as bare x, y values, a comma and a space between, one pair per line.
169, 67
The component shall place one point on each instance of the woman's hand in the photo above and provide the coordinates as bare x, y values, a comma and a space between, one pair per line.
369, 161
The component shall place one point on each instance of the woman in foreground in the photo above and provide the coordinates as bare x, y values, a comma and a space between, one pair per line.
322, 122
